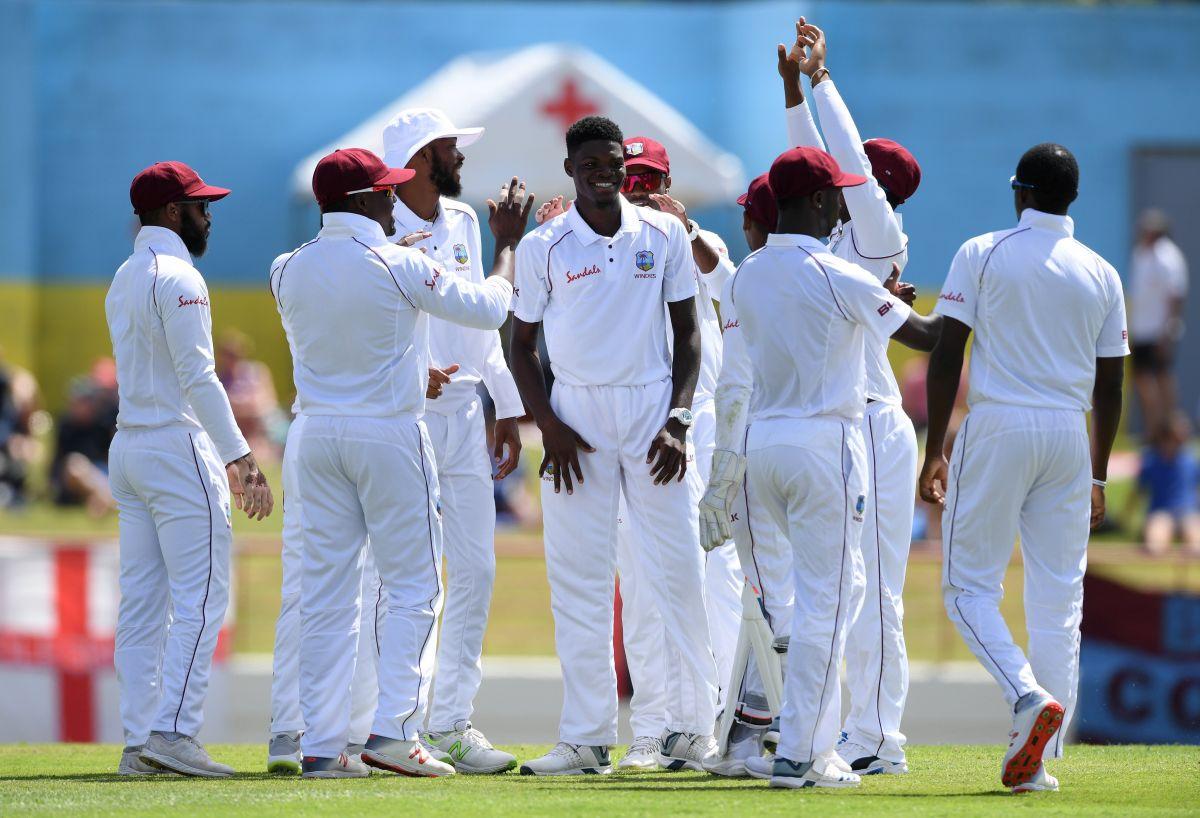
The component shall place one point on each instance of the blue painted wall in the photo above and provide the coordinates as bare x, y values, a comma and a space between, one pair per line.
93, 91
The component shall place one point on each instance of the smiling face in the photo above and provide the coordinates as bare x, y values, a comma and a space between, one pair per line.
598, 168
644, 182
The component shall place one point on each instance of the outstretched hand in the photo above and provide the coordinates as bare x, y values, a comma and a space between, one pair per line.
508, 216
788, 59
552, 209
810, 37
901, 289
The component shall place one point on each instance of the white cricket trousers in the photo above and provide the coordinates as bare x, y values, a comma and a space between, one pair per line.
641, 626
360, 477
811, 476
469, 541
172, 499
876, 657
580, 537
1016, 469
285, 670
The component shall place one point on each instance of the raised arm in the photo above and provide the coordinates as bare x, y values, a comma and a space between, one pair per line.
802, 130
877, 232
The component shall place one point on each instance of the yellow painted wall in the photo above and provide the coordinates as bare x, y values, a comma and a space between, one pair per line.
58, 330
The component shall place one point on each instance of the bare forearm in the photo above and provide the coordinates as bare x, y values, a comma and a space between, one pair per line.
526, 367
685, 368
920, 332
1106, 417
704, 255
504, 262
941, 389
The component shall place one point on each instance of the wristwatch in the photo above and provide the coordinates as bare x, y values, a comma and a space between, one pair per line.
693, 230
684, 416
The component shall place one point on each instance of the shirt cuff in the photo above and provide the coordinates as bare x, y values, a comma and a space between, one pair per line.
1114, 351
956, 311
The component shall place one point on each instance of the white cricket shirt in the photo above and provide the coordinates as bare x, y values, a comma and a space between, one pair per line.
874, 237
455, 245
1043, 307
354, 309
600, 299
709, 287
161, 328
1158, 274
804, 315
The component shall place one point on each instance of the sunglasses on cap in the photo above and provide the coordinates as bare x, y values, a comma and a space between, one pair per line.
650, 181
1020, 185
388, 189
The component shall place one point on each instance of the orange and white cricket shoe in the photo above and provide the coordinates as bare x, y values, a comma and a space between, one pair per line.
1033, 728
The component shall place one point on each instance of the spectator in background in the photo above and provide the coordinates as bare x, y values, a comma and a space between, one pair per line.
79, 471
1157, 291
251, 394
1170, 476
18, 400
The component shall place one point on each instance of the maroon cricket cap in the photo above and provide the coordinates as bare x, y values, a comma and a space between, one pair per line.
350, 170
644, 152
894, 168
803, 171
759, 201
166, 182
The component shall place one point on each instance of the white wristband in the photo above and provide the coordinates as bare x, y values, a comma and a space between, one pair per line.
1100, 483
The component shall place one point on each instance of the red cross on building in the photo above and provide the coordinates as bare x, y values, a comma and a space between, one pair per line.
569, 105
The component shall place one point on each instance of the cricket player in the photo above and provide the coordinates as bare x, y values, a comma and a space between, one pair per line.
804, 315
425, 141
354, 308
648, 184
598, 276
870, 235
173, 464
1049, 321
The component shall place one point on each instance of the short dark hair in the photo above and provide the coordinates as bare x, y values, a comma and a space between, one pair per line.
1052, 174
591, 128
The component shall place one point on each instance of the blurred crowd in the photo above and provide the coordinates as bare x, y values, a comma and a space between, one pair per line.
64, 459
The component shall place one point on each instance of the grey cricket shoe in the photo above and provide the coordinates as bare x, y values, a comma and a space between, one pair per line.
570, 759
468, 750
183, 755
283, 754
686, 751
132, 765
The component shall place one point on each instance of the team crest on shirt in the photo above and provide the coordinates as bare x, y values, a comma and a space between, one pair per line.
644, 259
460, 253
859, 506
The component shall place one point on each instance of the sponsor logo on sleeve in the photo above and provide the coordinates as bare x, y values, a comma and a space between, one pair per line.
884, 309
437, 278
200, 300
957, 298
730, 325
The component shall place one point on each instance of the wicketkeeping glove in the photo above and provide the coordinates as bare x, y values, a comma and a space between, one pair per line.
728, 469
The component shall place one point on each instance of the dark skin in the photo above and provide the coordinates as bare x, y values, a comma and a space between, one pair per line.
653, 192
818, 212
598, 170
192, 222
438, 167
945, 371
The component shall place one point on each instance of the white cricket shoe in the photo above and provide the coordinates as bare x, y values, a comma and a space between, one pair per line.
469, 750
1042, 781
1033, 728
570, 759
183, 755
132, 765
861, 760
344, 766
761, 767
800, 775
745, 744
642, 755
283, 754
686, 751
402, 757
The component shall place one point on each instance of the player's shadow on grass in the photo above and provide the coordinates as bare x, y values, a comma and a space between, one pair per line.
114, 778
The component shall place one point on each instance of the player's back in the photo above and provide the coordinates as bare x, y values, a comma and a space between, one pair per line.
806, 352
358, 345
1043, 307
147, 289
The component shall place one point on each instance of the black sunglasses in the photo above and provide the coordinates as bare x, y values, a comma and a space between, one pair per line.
1019, 185
202, 202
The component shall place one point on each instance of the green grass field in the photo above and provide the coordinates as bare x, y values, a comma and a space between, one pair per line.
71, 780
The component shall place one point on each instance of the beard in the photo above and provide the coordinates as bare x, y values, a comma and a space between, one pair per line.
444, 178
191, 230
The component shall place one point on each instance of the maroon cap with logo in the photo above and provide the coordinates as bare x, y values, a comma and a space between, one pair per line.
351, 170
759, 201
166, 182
644, 152
803, 171
894, 168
